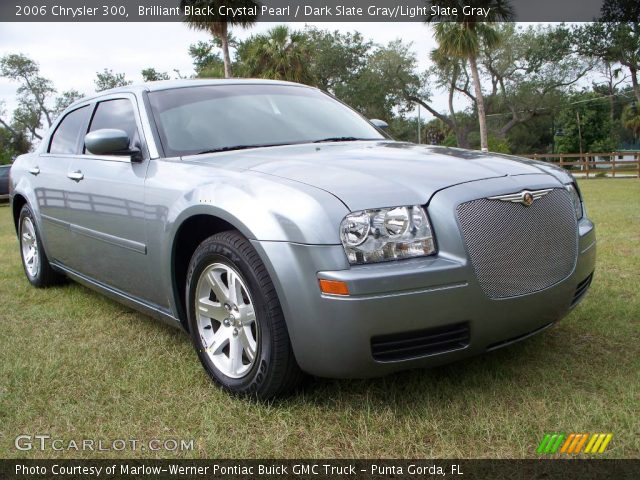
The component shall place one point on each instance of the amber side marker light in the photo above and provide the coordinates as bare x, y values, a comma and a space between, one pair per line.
333, 287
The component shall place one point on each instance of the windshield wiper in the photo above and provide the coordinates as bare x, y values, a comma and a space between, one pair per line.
243, 147
339, 139
239, 147
227, 149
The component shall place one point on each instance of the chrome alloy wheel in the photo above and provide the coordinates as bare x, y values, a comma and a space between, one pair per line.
29, 246
226, 320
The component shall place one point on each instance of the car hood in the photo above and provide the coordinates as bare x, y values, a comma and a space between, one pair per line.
379, 174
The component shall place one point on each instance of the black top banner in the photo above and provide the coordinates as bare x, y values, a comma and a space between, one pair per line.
318, 10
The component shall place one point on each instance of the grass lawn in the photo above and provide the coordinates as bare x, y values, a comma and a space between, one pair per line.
76, 365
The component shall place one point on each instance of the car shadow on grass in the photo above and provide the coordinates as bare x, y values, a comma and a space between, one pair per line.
507, 369
521, 367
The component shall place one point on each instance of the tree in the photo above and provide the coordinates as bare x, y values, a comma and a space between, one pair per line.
337, 59
465, 37
389, 86
631, 118
218, 24
616, 37
279, 54
65, 99
613, 79
107, 79
206, 61
13, 142
388, 80
37, 106
531, 70
584, 124
450, 74
152, 75
33, 92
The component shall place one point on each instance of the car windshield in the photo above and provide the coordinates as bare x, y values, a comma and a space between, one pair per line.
213, 118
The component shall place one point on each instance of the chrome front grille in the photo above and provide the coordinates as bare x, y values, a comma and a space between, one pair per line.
515, 249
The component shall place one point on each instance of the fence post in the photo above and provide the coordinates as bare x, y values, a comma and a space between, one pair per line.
585, 160
613, 165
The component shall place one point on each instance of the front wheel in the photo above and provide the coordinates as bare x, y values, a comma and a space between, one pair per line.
236, 321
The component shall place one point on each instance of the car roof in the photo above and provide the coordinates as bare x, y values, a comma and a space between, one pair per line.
171, 84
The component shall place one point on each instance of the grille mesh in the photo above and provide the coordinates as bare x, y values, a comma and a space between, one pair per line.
516, 250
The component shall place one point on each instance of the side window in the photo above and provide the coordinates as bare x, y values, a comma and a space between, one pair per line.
116, 114
65, 140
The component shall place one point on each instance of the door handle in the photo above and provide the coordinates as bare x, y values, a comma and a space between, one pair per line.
76, 176
34, 170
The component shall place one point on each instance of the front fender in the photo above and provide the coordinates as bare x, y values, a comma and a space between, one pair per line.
262, 207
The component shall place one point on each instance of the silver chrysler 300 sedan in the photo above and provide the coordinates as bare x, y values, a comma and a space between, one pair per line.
288, 234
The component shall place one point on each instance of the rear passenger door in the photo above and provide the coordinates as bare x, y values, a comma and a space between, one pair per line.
106, 195
49, 180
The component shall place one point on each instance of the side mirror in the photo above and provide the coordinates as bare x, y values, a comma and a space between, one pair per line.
111, 141
381, 124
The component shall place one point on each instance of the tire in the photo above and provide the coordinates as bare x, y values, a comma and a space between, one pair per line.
34, 259
239, 333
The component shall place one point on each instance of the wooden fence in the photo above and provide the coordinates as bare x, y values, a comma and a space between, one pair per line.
613, 164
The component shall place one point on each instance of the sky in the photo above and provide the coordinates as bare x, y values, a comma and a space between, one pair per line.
70, 54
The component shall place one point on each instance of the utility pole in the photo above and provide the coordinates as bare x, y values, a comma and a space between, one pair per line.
579, 131
419, 135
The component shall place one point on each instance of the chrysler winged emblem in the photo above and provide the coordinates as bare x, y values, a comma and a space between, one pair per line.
525, 197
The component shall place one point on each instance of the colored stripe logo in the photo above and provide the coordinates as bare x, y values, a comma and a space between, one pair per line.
574, 443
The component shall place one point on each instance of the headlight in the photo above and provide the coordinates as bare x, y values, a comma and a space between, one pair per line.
575, 198
386, 234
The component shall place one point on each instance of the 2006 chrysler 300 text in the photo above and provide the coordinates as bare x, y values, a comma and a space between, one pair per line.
288, 234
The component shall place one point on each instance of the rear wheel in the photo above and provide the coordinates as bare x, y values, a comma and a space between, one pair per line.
236, 321
34, 260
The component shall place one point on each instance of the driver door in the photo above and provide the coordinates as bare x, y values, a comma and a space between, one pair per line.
106, 196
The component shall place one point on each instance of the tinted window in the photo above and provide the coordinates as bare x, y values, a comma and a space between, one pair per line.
116, 114
66, 137
195, 119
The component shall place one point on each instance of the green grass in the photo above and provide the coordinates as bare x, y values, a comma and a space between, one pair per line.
76, 365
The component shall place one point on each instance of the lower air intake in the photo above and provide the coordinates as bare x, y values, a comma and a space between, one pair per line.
420, 343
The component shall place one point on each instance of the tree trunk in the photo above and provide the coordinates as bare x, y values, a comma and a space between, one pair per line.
39, 101
224, 38
634, 82
461, 138
11, 130
482, 119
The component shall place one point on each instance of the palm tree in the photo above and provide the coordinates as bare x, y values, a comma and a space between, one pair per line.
217, 24
465, 37
279, 54
631, 118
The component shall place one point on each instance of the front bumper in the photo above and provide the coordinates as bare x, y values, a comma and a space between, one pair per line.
332, 335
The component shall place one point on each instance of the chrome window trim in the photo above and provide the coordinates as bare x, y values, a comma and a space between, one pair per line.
90, 156
142, 122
